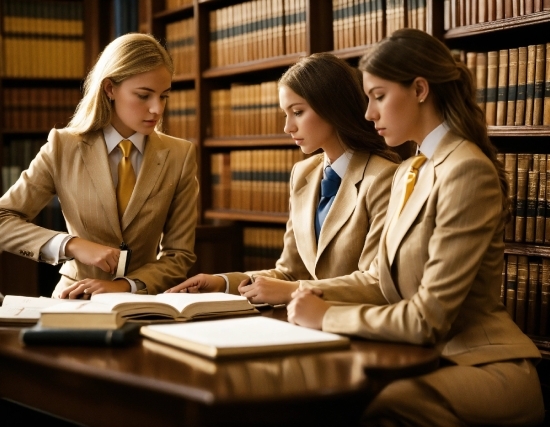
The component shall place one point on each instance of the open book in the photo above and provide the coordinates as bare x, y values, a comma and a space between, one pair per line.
242, 336
20, 310
111, 310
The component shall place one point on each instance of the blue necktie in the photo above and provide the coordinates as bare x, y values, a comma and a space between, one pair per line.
329, 187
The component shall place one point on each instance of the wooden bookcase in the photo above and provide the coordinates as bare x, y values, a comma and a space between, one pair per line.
321, 34
19, 275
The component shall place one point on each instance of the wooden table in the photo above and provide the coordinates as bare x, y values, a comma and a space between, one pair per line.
151, 384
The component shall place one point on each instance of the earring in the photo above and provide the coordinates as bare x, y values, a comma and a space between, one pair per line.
421, 101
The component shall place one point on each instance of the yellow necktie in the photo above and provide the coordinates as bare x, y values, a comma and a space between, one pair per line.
410, 179
126, 177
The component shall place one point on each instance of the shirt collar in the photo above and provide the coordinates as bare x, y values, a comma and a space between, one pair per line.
113, 138
432, 140
340, 165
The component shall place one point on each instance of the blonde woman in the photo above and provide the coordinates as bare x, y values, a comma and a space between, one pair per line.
148, 206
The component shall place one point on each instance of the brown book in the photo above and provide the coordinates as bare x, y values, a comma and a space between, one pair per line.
538, 96
512, 87
524, 165
481, 80
502, 87
511, 168
522, 86
521, 291
530, 85
500, 9
547, 211
511, 284
215, 180
545, 4
541, 199
531, 205
471, 63
533, 286
492, 82
546, 107
544, 316
481, 11
529, 6
503, 284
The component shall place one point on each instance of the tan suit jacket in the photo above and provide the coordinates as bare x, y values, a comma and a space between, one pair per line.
158, 224
350, 234
437, 276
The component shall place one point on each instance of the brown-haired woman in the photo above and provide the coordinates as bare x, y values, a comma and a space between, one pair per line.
324, 104
437, 277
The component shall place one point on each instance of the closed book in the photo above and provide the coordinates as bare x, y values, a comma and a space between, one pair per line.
511, 284
530, 85
546, 107
541, 199
544, 316
538, 95
531, 205
491, 94
522, 86
521, 291
481, 80
533, 285
524, 165
512, 86
112, 310
502, 87
243, 336
40, 335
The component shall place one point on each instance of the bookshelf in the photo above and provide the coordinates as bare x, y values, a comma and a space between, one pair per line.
226, 37
47, 48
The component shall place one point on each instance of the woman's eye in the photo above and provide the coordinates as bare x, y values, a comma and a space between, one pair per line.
144, 97
379, 97
297, 113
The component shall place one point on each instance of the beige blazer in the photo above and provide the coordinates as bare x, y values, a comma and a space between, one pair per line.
351, 231
437, 276
159, 222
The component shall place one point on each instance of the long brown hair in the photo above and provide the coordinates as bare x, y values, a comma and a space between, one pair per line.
333, 89
408, 54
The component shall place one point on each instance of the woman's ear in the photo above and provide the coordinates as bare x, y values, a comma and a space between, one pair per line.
421, 88
108, 88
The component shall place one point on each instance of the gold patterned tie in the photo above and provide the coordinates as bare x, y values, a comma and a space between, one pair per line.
410, 179
126, 177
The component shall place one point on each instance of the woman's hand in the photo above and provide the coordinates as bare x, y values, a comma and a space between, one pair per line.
268, 290
86, 288
200, 283
307, 309
94, 254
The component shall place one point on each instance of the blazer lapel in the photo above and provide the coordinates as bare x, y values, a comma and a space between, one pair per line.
345, 201
95, 157
304, 206
154, 158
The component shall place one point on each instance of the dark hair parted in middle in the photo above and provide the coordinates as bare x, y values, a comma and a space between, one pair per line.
333, 89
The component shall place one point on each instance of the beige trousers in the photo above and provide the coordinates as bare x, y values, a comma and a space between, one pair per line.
498, 394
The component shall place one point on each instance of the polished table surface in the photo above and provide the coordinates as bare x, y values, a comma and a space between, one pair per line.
152, 384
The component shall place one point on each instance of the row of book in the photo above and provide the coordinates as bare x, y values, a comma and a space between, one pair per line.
525, 292
511, 84
262, 247
175, 4
252, 180
257, 29
363, 22
17, 154
31, 108
528, 177
458, 13
180, 42
246, 110
43, 39
181, 115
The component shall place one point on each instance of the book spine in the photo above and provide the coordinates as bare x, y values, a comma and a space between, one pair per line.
511, 284
512, 87
521, 291
502, 87
492, 81
538, 96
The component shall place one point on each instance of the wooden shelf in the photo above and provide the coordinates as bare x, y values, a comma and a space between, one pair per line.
499, 25
252, 66
519, 131
527, 249
174, 14
261, 217
247, 141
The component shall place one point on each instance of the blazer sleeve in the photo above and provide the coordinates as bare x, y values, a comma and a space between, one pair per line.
34, 189
176, 249
459, 228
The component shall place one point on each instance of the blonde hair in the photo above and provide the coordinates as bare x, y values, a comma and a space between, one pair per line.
410, 53
124, 57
